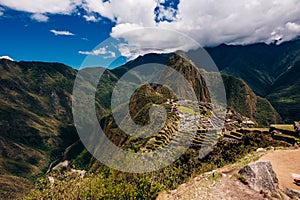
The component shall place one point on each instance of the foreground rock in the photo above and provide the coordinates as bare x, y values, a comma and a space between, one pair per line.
214, 185
261, 177
295, 194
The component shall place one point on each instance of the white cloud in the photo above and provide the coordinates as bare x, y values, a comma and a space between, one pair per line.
125, 11
1, 11
161, 1
95, 52
100, 51
212, 23
148, 40
90, 18
67, 33
7, 58
43, 6
293, 27
39, 17
111, 54
208, 22
166, 13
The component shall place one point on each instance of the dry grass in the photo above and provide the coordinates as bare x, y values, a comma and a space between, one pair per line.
257, 129
287, 127
12, 187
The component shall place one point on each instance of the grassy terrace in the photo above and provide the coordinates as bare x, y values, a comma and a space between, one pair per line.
286, 133
234, 135
257, 129
286, 127
287, 138
187, 110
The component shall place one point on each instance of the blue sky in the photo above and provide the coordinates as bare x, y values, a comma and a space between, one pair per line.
68, 31
22, 38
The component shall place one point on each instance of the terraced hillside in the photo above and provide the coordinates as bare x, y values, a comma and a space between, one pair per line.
36, 120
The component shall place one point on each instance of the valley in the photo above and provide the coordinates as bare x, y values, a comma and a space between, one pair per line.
270, 70
37, 130
152, 99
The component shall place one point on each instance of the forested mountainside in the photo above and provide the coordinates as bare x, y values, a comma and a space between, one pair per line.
36, 114
270, 71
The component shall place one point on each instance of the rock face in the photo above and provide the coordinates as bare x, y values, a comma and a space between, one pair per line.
295, 194
260, 176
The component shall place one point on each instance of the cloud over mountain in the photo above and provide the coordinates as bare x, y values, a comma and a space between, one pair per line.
208, 22
7, 58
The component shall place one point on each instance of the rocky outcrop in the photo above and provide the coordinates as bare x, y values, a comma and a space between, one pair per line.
261, 177
295, 194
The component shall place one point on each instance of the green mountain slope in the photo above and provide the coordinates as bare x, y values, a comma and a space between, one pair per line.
286, 94
243, 100
266, 69
36, 120
35, 103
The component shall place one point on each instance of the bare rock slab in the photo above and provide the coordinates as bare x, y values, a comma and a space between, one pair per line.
295, 194
261, 177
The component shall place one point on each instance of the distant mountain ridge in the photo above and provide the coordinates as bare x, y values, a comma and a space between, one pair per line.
235, 88
36, 123
270, 70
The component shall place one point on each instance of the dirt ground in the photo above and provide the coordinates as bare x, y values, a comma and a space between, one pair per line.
285, 163
226, 186
209, 188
